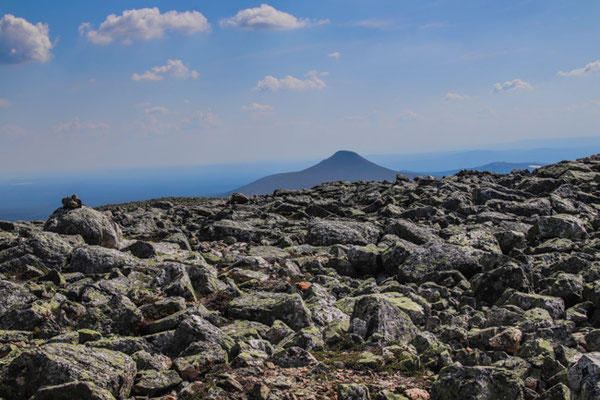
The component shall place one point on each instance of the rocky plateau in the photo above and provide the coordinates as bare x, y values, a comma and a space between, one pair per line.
473, 286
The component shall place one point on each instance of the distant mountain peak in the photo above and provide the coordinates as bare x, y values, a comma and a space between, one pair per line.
344, 158
343, 165
345, 155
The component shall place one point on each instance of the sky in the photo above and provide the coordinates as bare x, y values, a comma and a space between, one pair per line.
119, 83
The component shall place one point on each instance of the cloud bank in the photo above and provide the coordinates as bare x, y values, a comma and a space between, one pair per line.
266, 18
455, 96
312, 82
22, 41
77, 125
13, 131
514, 85
144, 24
174, 68
589, 69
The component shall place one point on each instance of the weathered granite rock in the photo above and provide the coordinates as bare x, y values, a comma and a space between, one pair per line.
95, 227
326, 233
476, 383
269, 307
56, 364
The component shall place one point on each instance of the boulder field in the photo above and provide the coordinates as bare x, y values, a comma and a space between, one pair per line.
474, 286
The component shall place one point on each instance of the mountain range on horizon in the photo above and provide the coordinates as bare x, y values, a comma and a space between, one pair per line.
347, 165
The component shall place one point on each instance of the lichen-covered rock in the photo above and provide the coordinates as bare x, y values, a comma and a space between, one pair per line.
439, 256
554, 305
383, 318
326, 233
558, 226
269, 307
560, 391
365, 259
141, 249
73, 390
117, 316
98, 260
476, 383
13, 295
196, 329
95, 227
293, 357
489, 286
411, 232
56, 364
353, 391
569, 287
152, 383
584, 376
174, 280
509, 340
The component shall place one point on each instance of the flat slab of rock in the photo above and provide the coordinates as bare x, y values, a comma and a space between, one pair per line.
73, 390
56, 364
268, 307
327, 233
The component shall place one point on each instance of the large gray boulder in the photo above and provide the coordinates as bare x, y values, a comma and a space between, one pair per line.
558, 226
55, 364
13, 295
196, 329
584, 376
476, 383
98, 260
95, 227
118, 316
416, 263
383, 316
174, 280
268, 307
327, 233
73, 390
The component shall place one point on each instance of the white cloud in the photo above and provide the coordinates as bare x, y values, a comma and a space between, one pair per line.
265, 18
589, 69
258, 108
156, 110
335, 54
456, 96
22, 41
144, 24
174, 68
409, 115
76, 125
13, 131
515, 84
4, 103
312, 82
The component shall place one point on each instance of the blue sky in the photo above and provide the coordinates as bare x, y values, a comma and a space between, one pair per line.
198, 82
